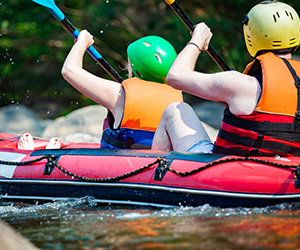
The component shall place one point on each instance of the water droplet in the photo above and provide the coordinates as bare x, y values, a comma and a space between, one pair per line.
101, 31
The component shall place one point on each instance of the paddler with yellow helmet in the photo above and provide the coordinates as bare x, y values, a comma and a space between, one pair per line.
135, 106
263, 106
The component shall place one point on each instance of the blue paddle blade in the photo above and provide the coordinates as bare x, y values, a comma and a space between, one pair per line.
46, 3
52, 8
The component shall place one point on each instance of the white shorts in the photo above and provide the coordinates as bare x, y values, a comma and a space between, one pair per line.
204, 147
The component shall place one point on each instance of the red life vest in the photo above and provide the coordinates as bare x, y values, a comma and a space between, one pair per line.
274, 126
145, 103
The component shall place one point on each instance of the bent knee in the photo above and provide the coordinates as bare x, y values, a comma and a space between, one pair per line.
176, 109
172, 108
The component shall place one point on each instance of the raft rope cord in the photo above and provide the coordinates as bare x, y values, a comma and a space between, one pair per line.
214, 163
24, 163
120, 177
52, 161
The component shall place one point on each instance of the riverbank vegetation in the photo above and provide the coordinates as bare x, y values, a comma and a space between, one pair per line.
33, 44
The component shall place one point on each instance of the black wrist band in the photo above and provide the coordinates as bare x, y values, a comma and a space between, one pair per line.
195, 45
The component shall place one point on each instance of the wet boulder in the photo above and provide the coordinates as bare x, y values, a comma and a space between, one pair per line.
83, 123
18, 119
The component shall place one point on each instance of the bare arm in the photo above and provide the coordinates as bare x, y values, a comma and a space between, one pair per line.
107, 93
239, 91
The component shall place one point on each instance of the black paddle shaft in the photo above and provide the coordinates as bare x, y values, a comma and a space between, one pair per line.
189, 23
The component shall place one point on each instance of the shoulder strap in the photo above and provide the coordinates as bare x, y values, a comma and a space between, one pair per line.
297, 84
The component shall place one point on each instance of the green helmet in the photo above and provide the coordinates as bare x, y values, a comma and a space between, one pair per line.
151, 58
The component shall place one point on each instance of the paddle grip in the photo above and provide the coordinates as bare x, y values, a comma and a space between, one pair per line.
189, 23
93, 52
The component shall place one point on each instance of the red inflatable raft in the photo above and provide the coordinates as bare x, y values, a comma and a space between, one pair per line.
145, 177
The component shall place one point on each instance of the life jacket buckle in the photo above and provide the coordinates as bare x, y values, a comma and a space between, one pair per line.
161, 170
50, 165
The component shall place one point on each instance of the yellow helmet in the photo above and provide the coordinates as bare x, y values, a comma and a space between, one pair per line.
271, 25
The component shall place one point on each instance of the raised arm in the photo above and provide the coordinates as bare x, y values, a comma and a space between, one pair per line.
238, 90
105, 92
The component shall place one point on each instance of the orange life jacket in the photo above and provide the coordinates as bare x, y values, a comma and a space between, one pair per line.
274, 126
145, 103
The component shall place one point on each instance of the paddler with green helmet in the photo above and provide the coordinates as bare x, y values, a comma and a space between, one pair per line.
135, 106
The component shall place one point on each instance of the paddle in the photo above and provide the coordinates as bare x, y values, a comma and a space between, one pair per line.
189, 23
57, 13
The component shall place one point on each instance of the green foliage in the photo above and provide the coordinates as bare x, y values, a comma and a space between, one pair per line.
33, 44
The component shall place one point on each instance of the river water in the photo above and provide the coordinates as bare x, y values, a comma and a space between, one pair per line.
82, 224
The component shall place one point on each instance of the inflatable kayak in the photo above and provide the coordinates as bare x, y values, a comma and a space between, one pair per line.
144, 177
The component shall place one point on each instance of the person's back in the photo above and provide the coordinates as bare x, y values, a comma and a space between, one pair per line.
273, 127
249, 96
146, 95
149, 59
144, 105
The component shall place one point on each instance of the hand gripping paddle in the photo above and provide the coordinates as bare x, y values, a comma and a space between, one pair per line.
189, 23
57, 13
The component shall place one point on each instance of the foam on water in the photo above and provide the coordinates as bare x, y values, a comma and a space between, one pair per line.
209, 211
11, 210
81, 223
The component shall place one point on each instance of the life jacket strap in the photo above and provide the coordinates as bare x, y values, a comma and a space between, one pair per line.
254, 145
276, 129
128, 144
297, 84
